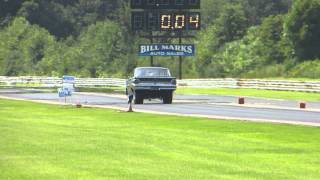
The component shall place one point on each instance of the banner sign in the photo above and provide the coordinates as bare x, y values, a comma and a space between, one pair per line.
166, 50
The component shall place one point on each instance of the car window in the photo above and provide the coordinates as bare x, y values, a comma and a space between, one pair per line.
151, 72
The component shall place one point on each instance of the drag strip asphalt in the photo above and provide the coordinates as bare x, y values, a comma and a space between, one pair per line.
219, 107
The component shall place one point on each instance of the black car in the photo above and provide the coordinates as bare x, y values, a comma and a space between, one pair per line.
151, 83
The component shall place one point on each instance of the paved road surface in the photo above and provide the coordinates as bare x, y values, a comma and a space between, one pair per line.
203, 105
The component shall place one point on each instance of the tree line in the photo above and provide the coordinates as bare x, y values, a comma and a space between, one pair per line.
92, 38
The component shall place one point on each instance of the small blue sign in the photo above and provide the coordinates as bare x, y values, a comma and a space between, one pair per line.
64, 92
68, 84
166, 50
68, 79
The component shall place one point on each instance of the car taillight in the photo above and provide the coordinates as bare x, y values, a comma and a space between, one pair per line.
173, 81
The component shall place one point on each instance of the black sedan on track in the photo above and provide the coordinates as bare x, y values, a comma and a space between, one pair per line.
151, 83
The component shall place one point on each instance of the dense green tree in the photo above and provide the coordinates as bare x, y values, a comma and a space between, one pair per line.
260, 47
50, 15
65, 18
231, 25
239, 38
256, 10
98, 53
270, 35
23, 46
303, 28
8, 9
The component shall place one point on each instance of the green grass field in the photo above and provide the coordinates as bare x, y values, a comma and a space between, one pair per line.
293, 79
41, 141
286, 95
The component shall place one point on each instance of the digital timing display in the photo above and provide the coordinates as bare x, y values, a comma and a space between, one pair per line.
165, 15
165, 21
165, 4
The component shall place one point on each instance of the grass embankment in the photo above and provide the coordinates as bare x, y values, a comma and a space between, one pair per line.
286, 95
53, 142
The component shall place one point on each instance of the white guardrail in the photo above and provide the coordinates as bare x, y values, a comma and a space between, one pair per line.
284, 85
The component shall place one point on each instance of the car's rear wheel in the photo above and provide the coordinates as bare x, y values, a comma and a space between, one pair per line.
138, 98
167, 98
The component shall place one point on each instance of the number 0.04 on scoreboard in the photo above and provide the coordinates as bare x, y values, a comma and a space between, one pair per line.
166, 21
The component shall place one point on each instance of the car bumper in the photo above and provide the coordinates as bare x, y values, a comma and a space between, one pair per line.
156, 88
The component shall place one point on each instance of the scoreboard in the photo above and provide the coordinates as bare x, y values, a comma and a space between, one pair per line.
165, 21
169, 18
165, 15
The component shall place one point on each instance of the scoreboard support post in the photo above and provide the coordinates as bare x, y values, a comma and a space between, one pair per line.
180, 60
151, 57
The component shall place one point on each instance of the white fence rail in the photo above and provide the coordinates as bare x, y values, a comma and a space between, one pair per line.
306, 86
56, 82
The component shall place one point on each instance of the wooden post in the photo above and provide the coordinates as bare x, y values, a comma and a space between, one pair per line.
303, 105
241, 100
130, 99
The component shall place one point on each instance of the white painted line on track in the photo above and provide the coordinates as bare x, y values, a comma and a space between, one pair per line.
259, 106
102, 94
